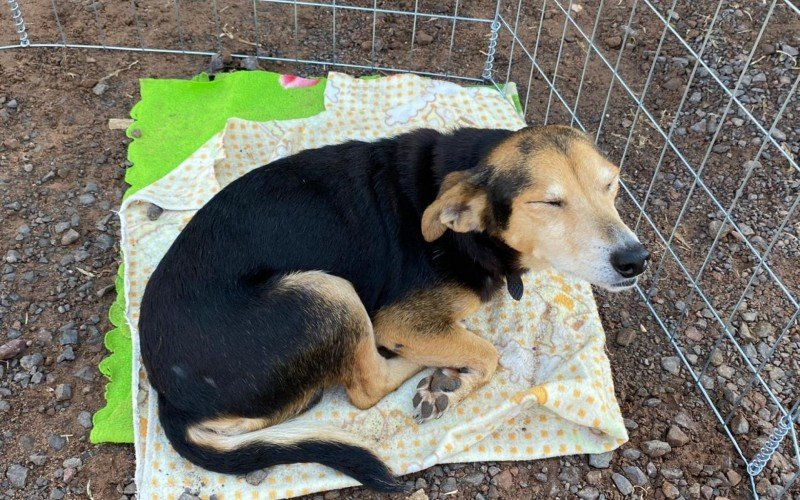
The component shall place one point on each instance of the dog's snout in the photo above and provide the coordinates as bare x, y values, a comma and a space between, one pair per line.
630, 261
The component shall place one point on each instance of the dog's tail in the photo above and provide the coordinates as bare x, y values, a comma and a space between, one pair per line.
290, 442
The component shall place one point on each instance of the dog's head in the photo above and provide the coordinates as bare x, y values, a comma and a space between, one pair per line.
549, 194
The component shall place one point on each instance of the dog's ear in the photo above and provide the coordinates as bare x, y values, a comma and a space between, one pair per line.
460, 206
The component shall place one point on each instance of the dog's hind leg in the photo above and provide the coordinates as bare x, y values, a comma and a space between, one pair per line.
366, 375
425, 329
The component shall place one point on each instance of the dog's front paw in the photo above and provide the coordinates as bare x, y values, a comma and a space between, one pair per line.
434, 394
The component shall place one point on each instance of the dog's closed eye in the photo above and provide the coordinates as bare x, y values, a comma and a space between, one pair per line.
552, 203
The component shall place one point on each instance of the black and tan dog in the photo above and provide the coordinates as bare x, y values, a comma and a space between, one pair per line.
293, 276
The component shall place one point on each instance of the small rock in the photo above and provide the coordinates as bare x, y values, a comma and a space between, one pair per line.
673, 83
601, 460
623, 485
656, 448
100, 88
250, 63
72, 463
188, 496
764, 329
676, 437
418, 495
256, 477
740, 425
57, 442
423, 38
69, 336
671, 473
733, 477
614, 42
669, 490
17, 475
12, 257
449, 485
86, 373
104, 242
504, 480
31, 361
692, 333
671, 364
86, 199
63, 392
631, 453
590, 493
85, 419
38, 459
68, 354
11, 349
475, 479
626, 336
70, 237
789, 50
569, 475
367, 45
700, 127
635, 474
593, 477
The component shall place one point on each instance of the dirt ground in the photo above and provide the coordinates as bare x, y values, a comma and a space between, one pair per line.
62, 176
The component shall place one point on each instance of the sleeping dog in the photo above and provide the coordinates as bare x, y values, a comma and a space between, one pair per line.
354, 264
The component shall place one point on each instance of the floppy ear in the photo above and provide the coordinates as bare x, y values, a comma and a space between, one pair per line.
460, 206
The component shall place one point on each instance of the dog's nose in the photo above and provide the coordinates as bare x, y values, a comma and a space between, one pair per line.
630, 261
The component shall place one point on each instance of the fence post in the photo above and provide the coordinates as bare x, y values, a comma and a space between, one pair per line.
16, 15
490, 51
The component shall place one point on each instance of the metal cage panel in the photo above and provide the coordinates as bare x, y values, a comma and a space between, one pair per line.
682, 153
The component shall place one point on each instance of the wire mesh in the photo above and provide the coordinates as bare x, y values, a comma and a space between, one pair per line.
717, 227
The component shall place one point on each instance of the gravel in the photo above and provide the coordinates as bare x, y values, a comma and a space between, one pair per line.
70, 237
655, 448
57, 442
601, 460
739, 425
11, 349
63, 392
449, 486
671, 364
17, 475
635, 475
85, 419
623, 485
676, 437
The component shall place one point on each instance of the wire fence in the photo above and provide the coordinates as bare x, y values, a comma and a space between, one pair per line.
695, 101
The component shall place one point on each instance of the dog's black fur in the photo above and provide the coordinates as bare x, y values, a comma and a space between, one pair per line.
352, 210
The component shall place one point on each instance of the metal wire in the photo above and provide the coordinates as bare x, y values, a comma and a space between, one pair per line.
502, 23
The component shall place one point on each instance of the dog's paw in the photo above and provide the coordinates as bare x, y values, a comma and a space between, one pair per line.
434, 394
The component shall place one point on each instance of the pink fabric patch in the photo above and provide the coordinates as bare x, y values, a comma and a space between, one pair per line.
296, 82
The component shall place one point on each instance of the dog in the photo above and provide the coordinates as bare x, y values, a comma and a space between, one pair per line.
354, 264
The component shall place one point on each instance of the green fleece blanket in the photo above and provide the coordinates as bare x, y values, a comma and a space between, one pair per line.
172, 120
